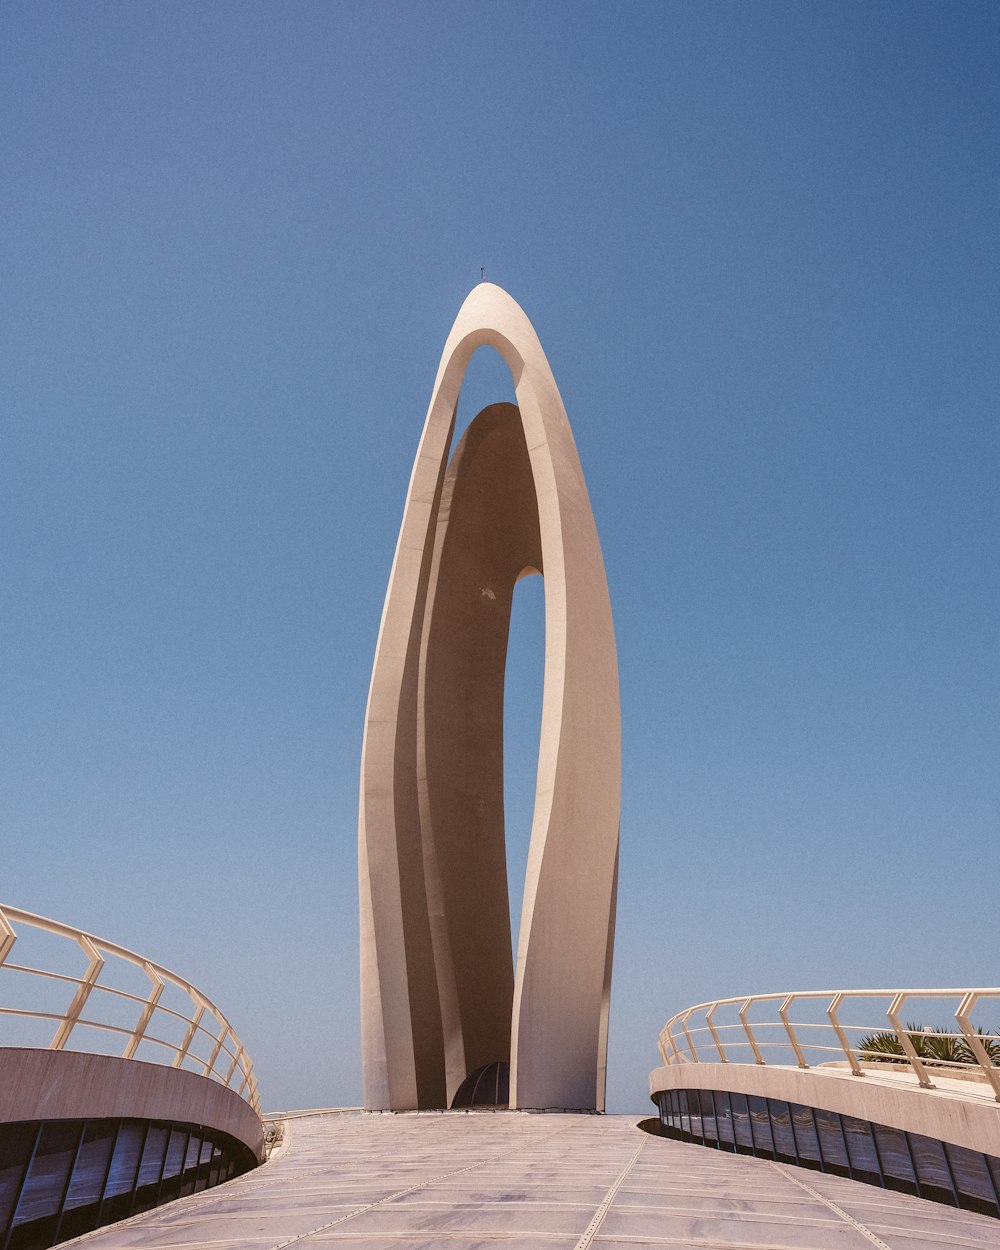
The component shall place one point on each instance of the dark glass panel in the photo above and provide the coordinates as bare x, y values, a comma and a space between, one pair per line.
894, 1155
994, 1166
708, 1117
683, 1119
694, 1113
488, 1086
791, 1132
806, 1140
933, 1173
972, 1179
204, 1165
741, 1123
83, 1174
125, 1160
831, 1142
148, 1183
781, 1130
189, 1176
724, 1120
83, 1198
91, 1167
43, 1189
861, 1150
174, 1161
760, 1125
153, 1153
191, 1159
173, 1164
120, 1189
16, 1143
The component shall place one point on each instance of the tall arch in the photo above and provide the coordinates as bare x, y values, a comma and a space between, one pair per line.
440, 994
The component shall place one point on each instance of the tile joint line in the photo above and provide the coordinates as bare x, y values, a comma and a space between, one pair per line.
402, 1193
865, 1232
594, 1226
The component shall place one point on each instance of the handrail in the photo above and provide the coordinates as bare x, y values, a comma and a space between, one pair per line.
227, 1062
977, 1053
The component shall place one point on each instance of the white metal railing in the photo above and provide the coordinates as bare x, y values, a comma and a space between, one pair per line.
732, 1030
305, 1112
206, 1042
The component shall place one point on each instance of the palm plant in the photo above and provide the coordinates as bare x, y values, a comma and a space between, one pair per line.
990, 1042
881, 1047
935, 1044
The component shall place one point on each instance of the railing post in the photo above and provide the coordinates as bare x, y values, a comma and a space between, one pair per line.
75, 1009
904, 1040
142, 1024
683, 1023
7, 937
234, 1065
783, 1013
845, 1045
757, 1056
715, 1037
209, 1065
992, 1073
189, 1036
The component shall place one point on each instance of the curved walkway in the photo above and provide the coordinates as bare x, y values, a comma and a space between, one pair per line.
532, 1182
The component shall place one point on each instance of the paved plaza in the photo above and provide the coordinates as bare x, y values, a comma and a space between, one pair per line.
521, 1181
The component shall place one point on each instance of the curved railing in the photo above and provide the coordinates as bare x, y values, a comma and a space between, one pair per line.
827, 1029
203, 1040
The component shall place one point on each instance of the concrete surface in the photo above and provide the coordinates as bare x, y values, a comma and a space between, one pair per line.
531, 1182
438, 995
68, 1085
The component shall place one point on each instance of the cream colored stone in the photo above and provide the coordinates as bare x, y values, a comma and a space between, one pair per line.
440, 995
68, 1085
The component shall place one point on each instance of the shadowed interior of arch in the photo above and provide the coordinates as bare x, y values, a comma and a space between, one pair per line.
487, 536
487, 381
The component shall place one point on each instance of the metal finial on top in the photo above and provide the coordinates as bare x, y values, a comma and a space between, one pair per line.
482, 273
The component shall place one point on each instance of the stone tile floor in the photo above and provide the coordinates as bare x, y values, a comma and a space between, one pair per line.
532, 1182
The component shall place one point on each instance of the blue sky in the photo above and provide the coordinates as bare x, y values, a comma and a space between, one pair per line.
759, 243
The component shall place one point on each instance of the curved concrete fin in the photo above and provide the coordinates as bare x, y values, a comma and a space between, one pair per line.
438, 995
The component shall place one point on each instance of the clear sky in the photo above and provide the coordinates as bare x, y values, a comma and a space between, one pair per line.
759, 243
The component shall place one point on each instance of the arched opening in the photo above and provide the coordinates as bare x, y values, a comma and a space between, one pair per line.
522, 721
487, 381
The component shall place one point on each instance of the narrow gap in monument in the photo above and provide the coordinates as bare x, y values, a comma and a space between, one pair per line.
487, 381
522, 722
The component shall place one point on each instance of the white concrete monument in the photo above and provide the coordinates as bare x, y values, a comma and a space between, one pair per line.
440, 995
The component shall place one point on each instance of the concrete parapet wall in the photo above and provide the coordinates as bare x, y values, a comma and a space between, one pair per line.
937, 1113
67, 1085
